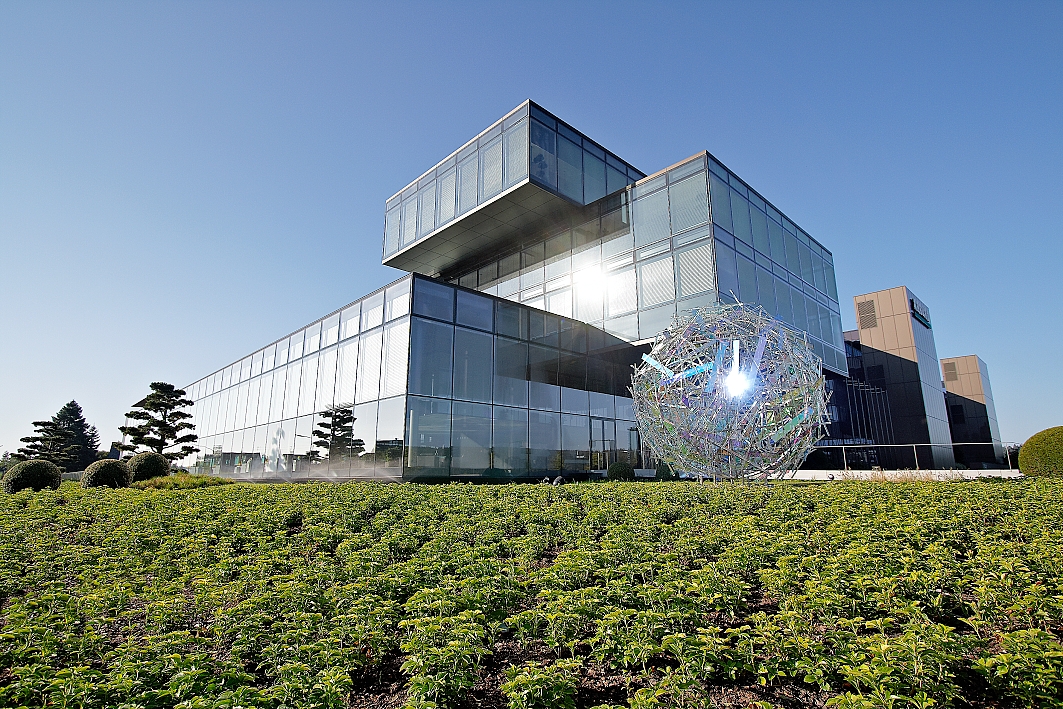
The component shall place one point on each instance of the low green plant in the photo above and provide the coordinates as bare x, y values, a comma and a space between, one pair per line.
1029, 667
532, 686
32, 474
148, 465
1042, 454
180, 481
107, 473
665, 472
621, 471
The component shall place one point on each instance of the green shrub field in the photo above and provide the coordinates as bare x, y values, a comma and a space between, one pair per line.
611, 594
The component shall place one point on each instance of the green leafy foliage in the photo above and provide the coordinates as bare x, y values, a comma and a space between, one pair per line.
534, 687
1042, 454
147, 465
66, 439
107, 473
32, 475
163, 422
180, 481
620, 471
848, 595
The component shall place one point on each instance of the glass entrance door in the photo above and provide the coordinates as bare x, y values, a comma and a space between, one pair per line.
603, 443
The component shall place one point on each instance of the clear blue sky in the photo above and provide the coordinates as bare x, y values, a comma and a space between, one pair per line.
181, 183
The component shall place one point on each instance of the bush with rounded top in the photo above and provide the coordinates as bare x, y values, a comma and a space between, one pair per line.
146, 466
621, 471
1042, 454
107, 473
32, 474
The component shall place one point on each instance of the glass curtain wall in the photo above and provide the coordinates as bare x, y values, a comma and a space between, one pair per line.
653, 251
499, 391
325, 402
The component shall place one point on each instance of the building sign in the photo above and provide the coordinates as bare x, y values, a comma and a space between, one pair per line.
920, 312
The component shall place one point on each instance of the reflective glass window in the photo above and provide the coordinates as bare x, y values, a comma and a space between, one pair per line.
740, 218
806, 263
470, 439
650, 218
511, 372
793, 260
621, 296
544, 434
431, 356
601, 405
696, 272
570, 169
326, 380
427, 438
775, 238
291, 391
390, 428
759, 222
491, 169
350, 321
346, 372
467, 184
653, 321
543, 328
615, 179
516, 153
312, 339
308, 387
656, 282
265, 389
817, 273
475, 311
363, 438
488, 273
397, 300
783, 307
543, 392
369, 366
625, 408
510, 441
766, 290
427, 209
720, 194
447, 196
391, 231
409, 221
433, 300
560, 303
396, 355
330, 331
543, 166
472, 363
574, 401
747, 280
575, 442
511, 320
276, 404
594, 185
689, 203
372, 311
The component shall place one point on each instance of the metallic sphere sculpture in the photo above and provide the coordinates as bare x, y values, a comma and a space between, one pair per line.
729, 391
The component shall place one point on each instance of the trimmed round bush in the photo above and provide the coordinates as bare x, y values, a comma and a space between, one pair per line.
1042, 454
146, 466
107, 473
621, 471
32, 474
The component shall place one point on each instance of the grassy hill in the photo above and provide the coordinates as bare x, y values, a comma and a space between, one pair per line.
640, 595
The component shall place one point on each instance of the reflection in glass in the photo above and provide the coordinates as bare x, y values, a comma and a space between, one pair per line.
427, 439
434, 300
575, 442
391, 420
363, 438
511, 372
431, 353
472, 363
369, 366
471, 439
510, 441
544, 429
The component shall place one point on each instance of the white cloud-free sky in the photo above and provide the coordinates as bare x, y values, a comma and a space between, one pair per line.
183, 182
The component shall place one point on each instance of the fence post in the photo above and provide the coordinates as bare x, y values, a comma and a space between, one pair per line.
916, 452
845, 462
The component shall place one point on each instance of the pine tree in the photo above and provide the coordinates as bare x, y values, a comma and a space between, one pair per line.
84, 438
50, 442
163, 420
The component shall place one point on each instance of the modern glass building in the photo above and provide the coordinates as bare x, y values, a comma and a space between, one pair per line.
546, 265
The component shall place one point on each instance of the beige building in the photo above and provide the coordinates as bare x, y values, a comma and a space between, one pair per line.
972, 414
897, 340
